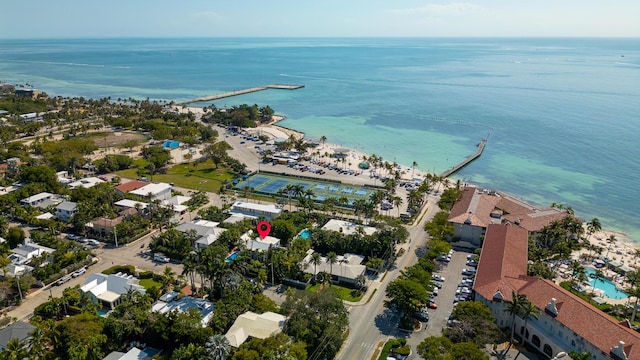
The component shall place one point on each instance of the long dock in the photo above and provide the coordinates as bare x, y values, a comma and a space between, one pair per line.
242, 92
468, 159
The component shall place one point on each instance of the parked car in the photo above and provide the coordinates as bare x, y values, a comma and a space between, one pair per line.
93, 242
437, 277
71, 237
160, 257
438, 285
432, 305
421, 315
469, 271
79, 272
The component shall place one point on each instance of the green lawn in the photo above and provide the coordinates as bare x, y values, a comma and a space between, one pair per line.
203, 176
149, 283
343, 292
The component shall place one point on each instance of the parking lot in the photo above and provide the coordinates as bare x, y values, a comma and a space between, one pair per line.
452, 273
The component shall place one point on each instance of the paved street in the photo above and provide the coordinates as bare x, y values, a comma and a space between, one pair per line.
371, 324
130, 254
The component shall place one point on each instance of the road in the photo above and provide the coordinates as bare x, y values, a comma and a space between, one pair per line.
371, 324
130, 254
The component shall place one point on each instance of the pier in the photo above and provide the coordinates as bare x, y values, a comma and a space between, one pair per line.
242, 92
468, 159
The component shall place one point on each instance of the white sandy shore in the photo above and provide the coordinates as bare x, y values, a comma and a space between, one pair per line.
623, 250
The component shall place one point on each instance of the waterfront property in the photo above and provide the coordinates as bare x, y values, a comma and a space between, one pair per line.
605, 286
565, 322
477, 209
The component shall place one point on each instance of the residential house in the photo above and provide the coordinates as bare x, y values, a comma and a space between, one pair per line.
151, 192
130, 186
126, 204
207, 231
347, 269
253, 210
565, 322
66, 210
171, 302
103, 227
258, 245
252, 325
86, 183
348, 228
42, 199
477, 209
31, 117
133, 354
23, 254
18, 330
107, 289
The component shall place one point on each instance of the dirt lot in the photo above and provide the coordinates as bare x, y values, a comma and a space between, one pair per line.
116, 139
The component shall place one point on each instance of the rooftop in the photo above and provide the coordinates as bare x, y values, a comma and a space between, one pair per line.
131, 185
152, 189
259, 326
347, 227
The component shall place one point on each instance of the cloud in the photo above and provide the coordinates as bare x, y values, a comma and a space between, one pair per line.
451, 9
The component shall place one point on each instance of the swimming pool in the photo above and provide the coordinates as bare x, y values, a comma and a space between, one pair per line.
609, 288
231, 256
305, 234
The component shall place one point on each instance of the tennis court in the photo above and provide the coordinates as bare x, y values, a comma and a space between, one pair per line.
270, 184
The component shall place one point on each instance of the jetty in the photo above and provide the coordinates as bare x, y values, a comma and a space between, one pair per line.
468, 159
242, 92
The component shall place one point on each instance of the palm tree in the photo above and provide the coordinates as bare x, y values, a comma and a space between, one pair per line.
529, 310
610, 240
579, 356
332, 258
634, 279
167, 278
323, 139
315, 260
218, 347
594, 226
14, 350
397, 201
413, 167
514, 308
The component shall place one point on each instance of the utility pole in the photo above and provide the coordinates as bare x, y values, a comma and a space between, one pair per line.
115, 234
19, 290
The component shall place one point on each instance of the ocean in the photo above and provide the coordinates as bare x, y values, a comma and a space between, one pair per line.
562, 115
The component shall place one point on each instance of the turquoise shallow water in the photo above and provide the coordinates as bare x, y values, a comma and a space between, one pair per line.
562, 113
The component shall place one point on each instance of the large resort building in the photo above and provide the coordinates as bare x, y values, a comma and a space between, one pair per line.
477, 209
565, 322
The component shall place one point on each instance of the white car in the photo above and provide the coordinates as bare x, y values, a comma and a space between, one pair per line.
437, 277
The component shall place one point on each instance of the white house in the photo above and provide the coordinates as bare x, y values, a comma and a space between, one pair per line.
208, 232
107, 289
347, 269
66, 210
37, 199
159, 191
257, 244
25, 252
254, 325
269, 211
170, 302
85, 182
347, 227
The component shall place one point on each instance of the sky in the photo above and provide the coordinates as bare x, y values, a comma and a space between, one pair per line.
319, 18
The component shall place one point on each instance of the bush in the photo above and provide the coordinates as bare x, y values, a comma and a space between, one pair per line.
127, 269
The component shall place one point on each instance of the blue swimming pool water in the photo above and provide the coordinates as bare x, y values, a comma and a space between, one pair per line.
231, 256
305, 234
610, 289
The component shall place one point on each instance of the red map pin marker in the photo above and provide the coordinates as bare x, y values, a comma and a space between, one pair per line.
263, 229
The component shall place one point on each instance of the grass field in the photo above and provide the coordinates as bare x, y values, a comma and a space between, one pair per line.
343, 292
149, 283
202, 176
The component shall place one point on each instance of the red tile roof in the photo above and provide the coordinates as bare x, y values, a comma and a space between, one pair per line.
503, 267
503, 256
596, 327
130, 186
475, 208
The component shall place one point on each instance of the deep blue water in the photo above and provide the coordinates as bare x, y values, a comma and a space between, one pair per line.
562, 114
